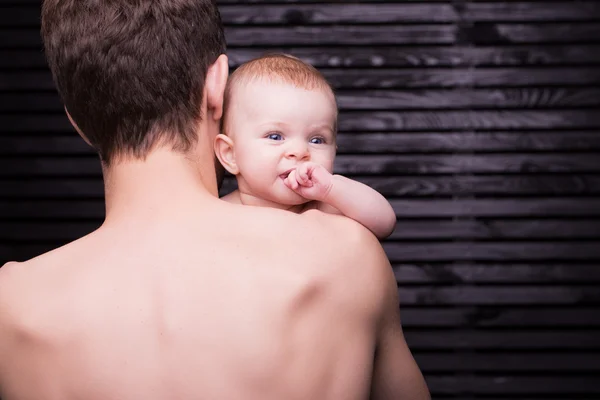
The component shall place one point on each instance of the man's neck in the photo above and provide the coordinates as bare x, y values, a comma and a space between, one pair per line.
162, 185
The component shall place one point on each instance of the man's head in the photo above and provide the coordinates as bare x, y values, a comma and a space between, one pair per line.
279, 113
132, 73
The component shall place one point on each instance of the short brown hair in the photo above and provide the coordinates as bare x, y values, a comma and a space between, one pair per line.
276, 67
131, 73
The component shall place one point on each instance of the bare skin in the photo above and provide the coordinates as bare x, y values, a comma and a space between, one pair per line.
204, 300
180, 295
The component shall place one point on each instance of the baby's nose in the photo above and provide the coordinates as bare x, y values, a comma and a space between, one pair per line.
298, 149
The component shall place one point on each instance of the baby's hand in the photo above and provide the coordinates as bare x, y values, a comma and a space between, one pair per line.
311, 181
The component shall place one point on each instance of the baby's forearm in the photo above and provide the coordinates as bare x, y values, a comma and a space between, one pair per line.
363, 204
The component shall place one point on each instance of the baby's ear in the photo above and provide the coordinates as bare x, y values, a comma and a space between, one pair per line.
226, 154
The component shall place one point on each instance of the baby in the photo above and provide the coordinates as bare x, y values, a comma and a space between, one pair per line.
279, 141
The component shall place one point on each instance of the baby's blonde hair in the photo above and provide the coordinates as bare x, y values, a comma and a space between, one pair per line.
277, 68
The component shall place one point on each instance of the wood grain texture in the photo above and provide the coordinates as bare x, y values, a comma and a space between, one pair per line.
430, 56
496, 273
47, 198
392, 187
483, 33
384, 56
466, 120
360, 143
298, 14
398, 164
481, 142
508, 384
505, 318
430, 340
515, 362
400, 79
12, 38
499, 251
531, 11
303, 12
479, 120
408, 99
405, 230
542, 207
362, 121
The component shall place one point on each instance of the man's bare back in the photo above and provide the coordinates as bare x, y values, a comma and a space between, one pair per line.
248, 303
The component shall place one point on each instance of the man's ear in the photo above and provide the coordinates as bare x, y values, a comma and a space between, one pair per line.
85, 139
216, 79
226, 154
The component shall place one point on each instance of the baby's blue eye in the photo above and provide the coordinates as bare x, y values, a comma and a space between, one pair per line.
317, 140
275, 136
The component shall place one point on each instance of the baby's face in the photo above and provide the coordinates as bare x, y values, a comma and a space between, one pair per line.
276, 127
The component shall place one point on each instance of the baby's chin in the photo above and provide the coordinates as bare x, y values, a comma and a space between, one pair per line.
287, 198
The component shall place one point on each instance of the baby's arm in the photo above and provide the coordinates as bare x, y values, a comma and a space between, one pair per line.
361, 203
353, 199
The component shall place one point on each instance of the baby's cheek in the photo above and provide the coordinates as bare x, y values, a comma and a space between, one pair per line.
329, 161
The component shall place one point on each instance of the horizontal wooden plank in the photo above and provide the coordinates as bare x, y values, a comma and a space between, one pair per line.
378, 121
446, 164
464, 185
422, 142
531, 11
453, 120
446, 56
430, 56
501, 33
532, 363
478, 273
56, 199
497, 229
406, 229
386, 56
502, 340
404, 186
547, 387
54, 189
15, 38
498, 295
528, 207
397, 143
493, 251
386, 99
504, 318
306, 14
462, 98
371, 79
352, 164
20, 38
296, 14
479, 33
322, 13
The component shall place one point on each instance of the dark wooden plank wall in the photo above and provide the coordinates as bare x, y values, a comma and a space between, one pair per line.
478, 119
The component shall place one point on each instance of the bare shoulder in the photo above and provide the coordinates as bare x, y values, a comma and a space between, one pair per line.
13, 288
349, 239
352, 251
13, 282
18, 282
30, 287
